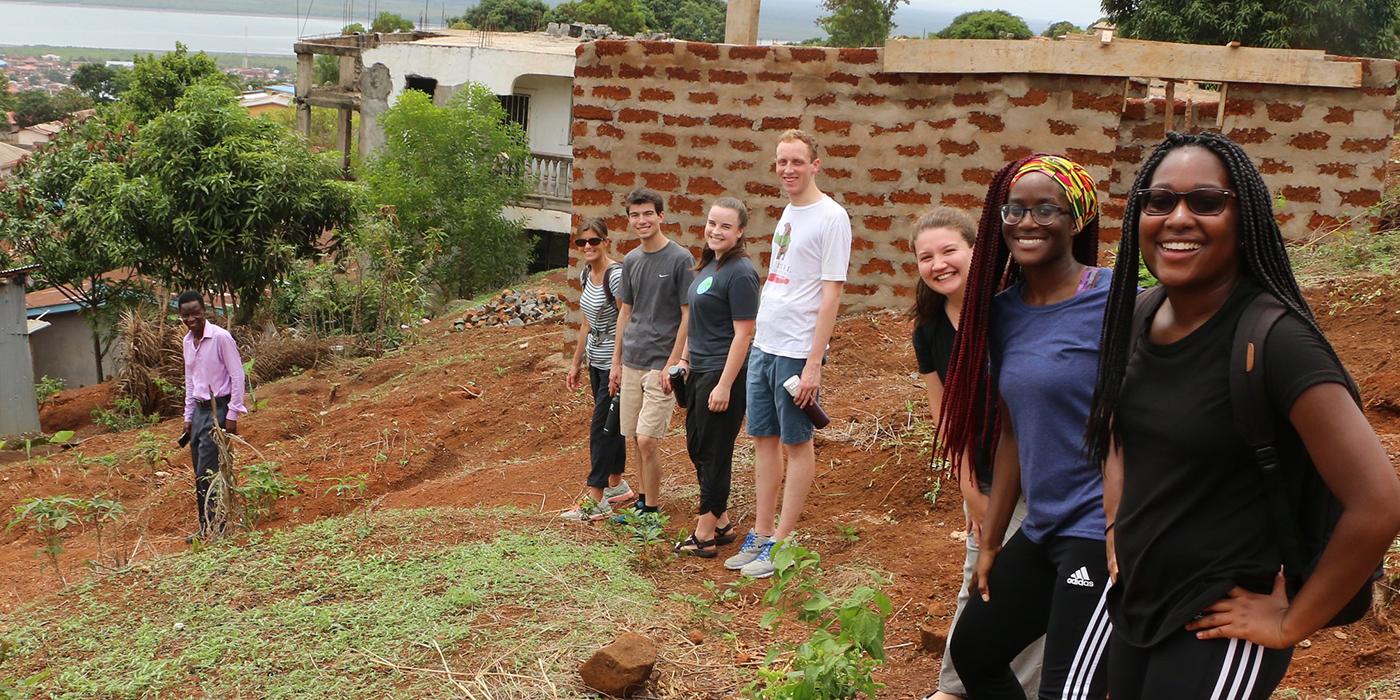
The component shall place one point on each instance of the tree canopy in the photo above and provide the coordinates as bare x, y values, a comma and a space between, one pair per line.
691, 20
215, 199
858, 22
41, 223
388, 22
624, 16
447, 172
99, 82
1060, 29
505, 15
34, 107
157, 82
1346, 27
986, 24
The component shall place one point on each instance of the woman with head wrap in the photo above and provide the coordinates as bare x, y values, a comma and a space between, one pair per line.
1023, 370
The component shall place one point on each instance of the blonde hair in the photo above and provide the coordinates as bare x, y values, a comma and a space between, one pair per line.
799, 135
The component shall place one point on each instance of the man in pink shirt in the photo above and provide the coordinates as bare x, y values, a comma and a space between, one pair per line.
213, 393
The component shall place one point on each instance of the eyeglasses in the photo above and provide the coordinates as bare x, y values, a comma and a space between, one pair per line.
1203, 201
585, 242
1043, 214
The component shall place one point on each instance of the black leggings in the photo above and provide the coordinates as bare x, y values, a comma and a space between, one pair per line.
607, 450
709, 437
1055, 588
1182, 667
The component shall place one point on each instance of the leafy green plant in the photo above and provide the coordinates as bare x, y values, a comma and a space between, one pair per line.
49, 517
100, 511
350, 486
702, 607
848, 533
648, 532
847, 643
47, 388
263, 485
149, 449
125, 414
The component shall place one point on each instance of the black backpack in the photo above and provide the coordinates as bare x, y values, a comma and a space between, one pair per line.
607, 279
1303, 512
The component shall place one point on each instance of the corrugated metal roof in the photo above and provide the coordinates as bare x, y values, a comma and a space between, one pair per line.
17, 271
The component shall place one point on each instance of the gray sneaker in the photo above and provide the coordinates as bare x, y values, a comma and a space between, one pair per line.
587, 510
762, 565
618, 494
748, 551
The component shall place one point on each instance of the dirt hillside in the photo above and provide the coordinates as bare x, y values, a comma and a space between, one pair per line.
482, 418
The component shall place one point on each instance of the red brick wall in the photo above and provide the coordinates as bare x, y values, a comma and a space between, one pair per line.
695, 121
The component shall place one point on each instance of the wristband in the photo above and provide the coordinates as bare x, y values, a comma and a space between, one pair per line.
1109, 527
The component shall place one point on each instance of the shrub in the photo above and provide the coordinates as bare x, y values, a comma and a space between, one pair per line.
125, 414
47, 388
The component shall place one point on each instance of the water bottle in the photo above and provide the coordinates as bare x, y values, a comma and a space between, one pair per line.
813, 410
677, 375
612, 425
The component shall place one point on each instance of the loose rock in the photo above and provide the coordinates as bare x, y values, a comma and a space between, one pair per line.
621, 668
514, 309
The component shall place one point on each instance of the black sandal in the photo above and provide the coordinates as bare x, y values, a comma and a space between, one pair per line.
697, 548
725, 535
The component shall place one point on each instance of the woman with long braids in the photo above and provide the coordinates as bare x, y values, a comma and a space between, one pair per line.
1200, 606
942, 243
1023, 369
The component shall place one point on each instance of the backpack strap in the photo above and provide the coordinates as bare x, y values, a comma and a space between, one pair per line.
607, 281
1255, 420
1146, 306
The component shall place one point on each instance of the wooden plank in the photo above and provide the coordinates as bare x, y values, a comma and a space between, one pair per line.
1171, 106
1220, 106
1122, 58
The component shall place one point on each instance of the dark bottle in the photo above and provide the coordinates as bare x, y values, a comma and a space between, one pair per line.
677, 375
612, 424
813, 410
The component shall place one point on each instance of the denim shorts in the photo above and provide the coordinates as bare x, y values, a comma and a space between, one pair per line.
772, 411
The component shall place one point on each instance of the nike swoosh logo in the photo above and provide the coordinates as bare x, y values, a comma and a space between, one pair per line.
663, 275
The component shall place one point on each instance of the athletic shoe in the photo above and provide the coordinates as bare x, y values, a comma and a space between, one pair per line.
636, 508
748, 551
762, 565
587, 510
621, 493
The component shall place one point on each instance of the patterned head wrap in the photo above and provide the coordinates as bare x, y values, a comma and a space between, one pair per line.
1074, 179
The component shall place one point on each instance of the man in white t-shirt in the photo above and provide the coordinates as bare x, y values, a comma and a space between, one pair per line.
796, 314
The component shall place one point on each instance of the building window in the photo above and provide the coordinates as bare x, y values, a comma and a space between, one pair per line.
517, 110
421, 84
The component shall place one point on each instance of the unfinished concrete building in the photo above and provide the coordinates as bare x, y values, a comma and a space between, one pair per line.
532, 74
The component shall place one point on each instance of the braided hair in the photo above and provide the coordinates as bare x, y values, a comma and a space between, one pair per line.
1264, 259
968, 414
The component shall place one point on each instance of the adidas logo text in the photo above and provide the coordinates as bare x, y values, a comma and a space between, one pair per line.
1080, 578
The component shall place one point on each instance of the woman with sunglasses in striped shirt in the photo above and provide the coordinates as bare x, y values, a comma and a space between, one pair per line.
601, 280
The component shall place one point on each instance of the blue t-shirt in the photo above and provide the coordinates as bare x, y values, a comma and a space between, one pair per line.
1045, 360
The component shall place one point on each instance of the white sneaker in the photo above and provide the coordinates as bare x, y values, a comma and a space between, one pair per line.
762, 565
748, 551
618, 494
587, 510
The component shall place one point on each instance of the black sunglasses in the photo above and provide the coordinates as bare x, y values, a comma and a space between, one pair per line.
1203, 201
585, 242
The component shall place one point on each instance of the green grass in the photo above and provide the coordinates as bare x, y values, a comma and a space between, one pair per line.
324, 609
1346, 254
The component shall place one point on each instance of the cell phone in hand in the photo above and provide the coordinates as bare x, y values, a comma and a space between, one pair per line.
184, 438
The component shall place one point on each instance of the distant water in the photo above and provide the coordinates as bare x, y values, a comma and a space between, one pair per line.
153, 30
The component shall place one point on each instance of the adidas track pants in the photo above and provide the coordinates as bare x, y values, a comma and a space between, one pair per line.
1056, 588
1182, 667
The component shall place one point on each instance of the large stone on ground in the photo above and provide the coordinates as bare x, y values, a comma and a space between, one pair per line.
621, 668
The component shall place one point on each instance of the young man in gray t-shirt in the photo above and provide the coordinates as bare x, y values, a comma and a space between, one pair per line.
651, 326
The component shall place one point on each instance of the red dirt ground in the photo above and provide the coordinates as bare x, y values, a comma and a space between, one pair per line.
406, 423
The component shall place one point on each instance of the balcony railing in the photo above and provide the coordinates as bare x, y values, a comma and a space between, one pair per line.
550, 179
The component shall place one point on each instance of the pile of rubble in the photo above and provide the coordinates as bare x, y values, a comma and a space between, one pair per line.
511, 308
590, 32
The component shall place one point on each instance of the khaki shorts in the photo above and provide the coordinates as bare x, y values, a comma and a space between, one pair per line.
646, 410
